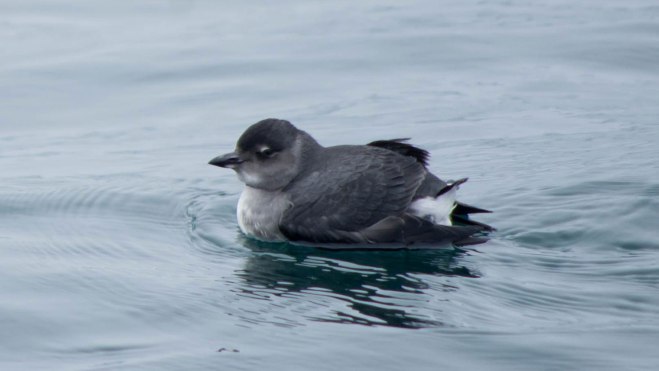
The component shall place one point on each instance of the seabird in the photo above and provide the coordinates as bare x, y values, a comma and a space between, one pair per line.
379, 195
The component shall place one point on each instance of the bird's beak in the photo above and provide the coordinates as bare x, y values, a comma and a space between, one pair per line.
229, 160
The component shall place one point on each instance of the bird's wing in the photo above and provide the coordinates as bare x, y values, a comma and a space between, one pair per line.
431, 184
353, 188
401, 147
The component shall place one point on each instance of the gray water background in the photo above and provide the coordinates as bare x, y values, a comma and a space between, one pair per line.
119, 247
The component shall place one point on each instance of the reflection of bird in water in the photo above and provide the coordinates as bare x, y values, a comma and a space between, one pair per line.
380, 287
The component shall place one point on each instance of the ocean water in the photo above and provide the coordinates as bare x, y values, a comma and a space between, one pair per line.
119, 247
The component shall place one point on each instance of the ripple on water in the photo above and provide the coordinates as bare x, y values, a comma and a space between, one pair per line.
597, 215
119, 245
212, 226
105, 220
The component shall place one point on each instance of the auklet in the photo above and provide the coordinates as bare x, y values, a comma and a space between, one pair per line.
379, 195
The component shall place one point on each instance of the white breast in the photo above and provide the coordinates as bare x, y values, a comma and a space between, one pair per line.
259, 213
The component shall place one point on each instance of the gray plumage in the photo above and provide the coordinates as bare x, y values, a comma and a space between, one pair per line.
341, 196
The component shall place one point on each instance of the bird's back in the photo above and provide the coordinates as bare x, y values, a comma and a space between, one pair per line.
350, 188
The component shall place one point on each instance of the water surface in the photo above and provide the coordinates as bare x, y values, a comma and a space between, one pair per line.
119, 247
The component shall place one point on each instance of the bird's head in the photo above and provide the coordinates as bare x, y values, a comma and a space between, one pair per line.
268, 155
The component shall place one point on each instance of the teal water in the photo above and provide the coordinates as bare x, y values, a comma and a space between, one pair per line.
119, 247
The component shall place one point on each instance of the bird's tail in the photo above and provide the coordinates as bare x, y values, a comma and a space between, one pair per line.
460, 213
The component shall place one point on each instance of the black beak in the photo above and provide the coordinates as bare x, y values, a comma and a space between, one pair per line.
230, 160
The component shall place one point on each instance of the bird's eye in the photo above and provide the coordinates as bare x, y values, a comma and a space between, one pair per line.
267, 152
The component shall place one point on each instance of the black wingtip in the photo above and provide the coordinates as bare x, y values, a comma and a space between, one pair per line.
399, 146
462, 208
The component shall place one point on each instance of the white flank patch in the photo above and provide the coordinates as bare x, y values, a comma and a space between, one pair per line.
438, 210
